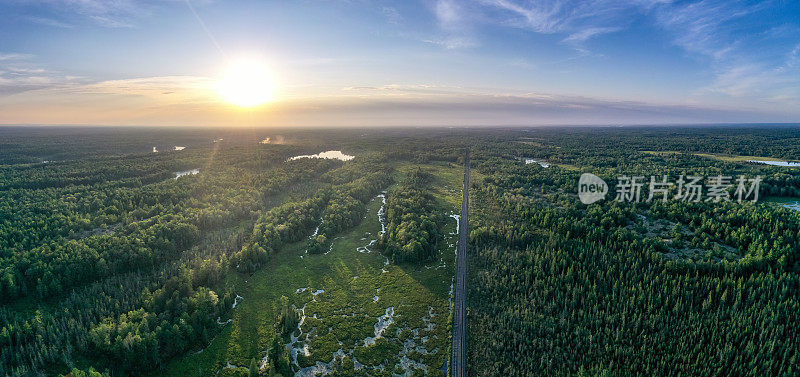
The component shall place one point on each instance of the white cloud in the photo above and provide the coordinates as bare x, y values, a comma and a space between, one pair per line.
794, 57
586, 34
578, 20
107, 13
698, 27
709, 28
570, 16
18, 74
149, 86
392, 15
759, 82
455, 23
18, 77
14, 56
542, 16
713, 31
49, 22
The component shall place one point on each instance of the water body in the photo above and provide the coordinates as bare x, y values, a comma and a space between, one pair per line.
236, 301
793, 206
534, 161
366, 248
383, 323
381, 212
333, 155
458, 223
776, 163
179, 174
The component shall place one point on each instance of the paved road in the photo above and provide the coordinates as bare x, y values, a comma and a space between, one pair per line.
459, 360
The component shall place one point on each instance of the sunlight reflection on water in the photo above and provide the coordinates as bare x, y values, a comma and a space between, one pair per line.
338, 155
775, 163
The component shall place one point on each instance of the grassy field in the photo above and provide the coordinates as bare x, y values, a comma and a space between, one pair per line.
717, 156
362, 315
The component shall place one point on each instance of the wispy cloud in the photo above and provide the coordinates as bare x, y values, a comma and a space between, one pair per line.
578, 20
392, 15
699, 27
578, 39
718, 33
16, 79
761, 80
14, 56
793, 59
543, 17
50, 22
585, 34
455, 24
107, 13
190, 86
18, 74
556, 16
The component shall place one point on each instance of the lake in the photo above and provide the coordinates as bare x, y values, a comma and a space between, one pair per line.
334, 155
776, 163
532, 161
793, 206
179, 174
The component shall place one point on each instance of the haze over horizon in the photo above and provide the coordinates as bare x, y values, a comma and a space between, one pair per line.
356, 63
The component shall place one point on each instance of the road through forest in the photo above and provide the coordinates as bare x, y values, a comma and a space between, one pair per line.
460, 308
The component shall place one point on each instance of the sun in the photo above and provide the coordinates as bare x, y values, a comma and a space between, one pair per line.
247, 83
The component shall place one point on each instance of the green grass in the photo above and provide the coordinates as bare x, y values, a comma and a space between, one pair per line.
733, 158
346, 312
717, 156
658, 153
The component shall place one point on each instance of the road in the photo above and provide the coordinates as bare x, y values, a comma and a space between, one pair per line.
459, 359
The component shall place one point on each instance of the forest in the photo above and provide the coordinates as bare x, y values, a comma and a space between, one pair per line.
414, 224
634, 289
232, 258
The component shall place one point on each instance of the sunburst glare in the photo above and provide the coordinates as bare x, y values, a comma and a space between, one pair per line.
247, 83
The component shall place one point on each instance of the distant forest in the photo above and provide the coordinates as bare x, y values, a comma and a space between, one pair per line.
113, 264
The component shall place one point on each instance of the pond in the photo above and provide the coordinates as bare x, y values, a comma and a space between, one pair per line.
337, 155
776, 163
179, 174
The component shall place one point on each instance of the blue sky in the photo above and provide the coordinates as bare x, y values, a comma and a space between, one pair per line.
436, 62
